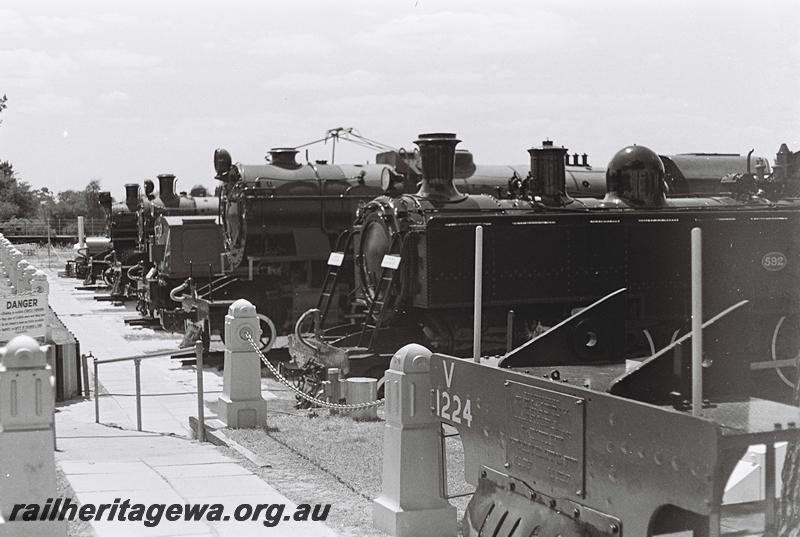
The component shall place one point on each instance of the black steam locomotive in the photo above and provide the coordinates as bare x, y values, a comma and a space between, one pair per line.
281, 220
547, 254
134, 252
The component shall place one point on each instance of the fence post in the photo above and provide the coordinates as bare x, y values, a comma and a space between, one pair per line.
241, 404
27, 467
410, 504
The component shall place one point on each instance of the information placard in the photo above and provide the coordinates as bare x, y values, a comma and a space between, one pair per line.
22, 314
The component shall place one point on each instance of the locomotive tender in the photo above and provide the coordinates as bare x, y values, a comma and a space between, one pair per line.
561, 444
547, 254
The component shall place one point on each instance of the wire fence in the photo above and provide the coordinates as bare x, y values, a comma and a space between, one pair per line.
58, 226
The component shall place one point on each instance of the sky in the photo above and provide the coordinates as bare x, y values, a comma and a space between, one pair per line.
122, 91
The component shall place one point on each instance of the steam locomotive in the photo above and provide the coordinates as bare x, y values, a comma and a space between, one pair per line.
282, 219
547, 254
172, 250
132, 264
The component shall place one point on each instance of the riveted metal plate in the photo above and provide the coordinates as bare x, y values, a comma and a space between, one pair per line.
546, 436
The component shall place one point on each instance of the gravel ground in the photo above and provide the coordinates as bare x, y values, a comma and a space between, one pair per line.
337, 459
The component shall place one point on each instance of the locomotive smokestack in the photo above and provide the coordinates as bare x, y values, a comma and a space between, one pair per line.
584, 160
549, 174
437, 153
132, 196
166, 187
284, 157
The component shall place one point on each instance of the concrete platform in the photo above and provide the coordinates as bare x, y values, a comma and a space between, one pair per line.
112, 460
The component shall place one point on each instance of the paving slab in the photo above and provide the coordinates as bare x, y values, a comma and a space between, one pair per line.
111, 460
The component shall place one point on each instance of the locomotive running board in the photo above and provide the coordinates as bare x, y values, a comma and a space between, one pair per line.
596, 334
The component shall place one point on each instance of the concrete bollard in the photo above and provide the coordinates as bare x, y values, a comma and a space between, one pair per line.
16, 259
26, 279
39, 283
241, 404
27, 467
411, 504
362, 390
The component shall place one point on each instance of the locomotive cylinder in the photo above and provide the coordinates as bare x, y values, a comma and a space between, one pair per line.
549, 173
437, 153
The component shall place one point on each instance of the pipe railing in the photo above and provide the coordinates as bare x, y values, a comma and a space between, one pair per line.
137, 361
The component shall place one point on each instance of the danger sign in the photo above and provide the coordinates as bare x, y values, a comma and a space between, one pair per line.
22, 314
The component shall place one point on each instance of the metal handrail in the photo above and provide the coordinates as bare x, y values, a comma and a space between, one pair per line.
156, 354
137, 360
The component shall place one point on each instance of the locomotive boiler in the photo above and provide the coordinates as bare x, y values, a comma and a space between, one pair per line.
547, 254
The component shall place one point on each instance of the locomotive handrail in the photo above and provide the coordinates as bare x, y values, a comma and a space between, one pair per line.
174, 293
298, 326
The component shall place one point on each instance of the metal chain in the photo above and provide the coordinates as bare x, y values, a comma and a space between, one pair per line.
301, 393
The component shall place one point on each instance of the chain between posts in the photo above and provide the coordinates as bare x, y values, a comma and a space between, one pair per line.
301, 393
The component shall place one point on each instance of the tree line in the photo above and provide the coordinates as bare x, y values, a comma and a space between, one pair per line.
19, 201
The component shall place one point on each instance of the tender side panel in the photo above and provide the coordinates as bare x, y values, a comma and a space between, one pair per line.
616, 456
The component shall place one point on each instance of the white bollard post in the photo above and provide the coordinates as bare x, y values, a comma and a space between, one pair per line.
26, 279
477, 306
697, 321
27, 467
362, 390
81, 234
410, 504
39, 283
241, 404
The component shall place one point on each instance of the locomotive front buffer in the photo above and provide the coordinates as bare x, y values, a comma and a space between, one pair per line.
556, 446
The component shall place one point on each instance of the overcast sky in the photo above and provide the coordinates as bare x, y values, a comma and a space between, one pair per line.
122, 91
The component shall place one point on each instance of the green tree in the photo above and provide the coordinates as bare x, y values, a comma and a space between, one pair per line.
17, 198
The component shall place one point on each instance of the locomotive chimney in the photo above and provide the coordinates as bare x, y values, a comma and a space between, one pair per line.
584, 160
166, 187
437, 152
284, 157
548, 173
132, 196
